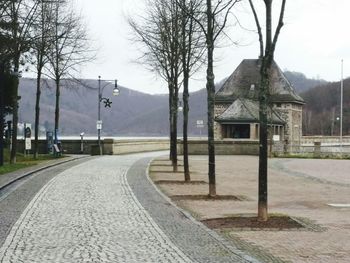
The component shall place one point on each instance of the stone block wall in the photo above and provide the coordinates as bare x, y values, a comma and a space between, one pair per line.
223, 147
291, 113
219, 109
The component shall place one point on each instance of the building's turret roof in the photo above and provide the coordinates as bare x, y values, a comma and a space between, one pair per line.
245, 110
245, 82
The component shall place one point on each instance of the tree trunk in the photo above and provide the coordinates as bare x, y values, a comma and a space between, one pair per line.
263, 151
15, 113
174, 119
57, 109
37, 114
185, 127
211, 97
2, 113
171, 97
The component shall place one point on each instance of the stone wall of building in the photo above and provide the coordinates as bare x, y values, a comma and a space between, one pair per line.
219, 109
291, 113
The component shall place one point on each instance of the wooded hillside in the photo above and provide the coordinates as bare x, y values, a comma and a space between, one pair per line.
139, 114
323, 108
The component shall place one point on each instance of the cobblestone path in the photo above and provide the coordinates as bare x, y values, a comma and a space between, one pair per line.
89, 213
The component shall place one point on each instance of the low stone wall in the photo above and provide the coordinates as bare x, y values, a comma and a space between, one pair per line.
223, 147
323, 139
68, 146
109, 146
115, 147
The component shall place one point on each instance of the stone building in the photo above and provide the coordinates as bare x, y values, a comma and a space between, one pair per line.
237, 106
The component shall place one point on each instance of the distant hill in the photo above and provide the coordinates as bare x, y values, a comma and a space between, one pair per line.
132, 113
323, 107
300, 82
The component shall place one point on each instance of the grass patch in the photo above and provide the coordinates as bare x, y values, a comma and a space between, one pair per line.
8, 168
22, 161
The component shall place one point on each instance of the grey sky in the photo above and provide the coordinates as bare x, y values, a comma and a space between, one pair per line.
313, 41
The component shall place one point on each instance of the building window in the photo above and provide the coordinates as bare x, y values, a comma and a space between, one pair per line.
236, 131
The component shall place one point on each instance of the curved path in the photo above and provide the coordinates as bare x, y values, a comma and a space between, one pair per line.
106, 210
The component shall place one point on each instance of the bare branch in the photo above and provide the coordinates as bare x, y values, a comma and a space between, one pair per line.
279, 26
256, 18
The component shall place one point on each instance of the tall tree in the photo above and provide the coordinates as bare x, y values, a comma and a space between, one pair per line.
21, 13
41, 46
3, 58
6, 96
159, 32
267, 50
192, 53
216, 17
70, 48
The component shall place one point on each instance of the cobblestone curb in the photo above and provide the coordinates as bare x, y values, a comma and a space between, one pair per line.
192, 237
256, 251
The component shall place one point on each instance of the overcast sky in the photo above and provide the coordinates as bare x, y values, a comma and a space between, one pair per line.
313, 41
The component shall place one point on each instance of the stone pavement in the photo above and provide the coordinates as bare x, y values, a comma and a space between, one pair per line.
100, 211
16, 196
299, 188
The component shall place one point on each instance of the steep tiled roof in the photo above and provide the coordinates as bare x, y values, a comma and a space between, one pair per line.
246, 110
245, 81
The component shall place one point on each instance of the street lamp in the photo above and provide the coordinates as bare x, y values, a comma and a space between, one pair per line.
180, 107
82, 142
341, 106
107, 103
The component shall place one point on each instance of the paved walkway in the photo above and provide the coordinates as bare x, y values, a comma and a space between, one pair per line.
297, 187
92, 213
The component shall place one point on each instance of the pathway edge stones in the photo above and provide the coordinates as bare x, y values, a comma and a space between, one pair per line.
224, 244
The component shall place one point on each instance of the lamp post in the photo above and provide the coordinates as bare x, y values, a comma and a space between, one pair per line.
341, 107
82, 142
107, 103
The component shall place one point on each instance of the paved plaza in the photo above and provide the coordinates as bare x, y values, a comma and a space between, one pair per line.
302, 188
106, 210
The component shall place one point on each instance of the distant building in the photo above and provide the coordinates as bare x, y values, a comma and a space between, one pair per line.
237, 105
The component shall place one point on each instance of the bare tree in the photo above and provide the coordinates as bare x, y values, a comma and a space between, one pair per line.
216, 17
267, 50
70, 48
41, 46
192, 54
159, 33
